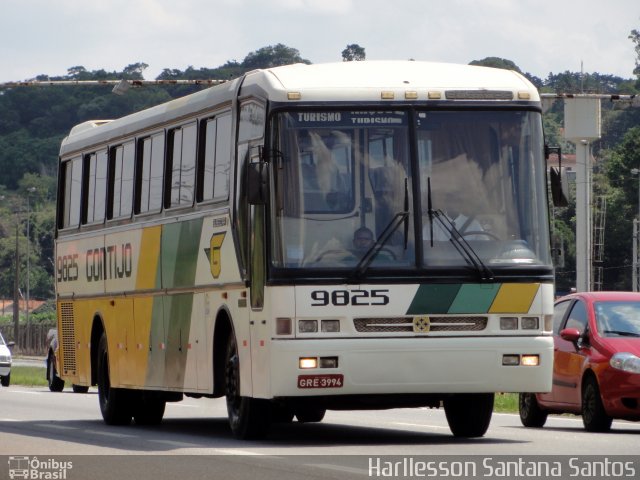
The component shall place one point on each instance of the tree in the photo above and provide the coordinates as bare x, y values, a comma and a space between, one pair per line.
273, 56
622, 208
134, 71
635, 38
353, 53
496, 62
503, 63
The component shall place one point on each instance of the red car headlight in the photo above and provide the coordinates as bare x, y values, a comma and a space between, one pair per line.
625, 361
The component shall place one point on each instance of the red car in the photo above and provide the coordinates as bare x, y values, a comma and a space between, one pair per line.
596, 371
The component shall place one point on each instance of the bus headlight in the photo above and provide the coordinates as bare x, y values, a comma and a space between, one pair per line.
529, 323
307, 326
331, 326
508, 323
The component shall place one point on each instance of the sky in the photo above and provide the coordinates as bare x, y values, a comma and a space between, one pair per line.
540, 36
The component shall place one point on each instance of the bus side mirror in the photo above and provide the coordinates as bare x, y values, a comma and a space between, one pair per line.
257, 183
558, 181
559, 187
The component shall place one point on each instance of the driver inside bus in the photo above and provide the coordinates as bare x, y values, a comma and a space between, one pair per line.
363, 240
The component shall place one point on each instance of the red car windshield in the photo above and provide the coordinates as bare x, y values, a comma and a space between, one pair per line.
618, 319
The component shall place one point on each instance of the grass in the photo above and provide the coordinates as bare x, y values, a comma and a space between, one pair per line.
506, 403
36, 377
29, 376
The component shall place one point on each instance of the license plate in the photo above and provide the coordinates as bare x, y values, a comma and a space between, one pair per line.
334, 380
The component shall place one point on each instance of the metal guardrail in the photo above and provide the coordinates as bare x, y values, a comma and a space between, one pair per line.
33, 342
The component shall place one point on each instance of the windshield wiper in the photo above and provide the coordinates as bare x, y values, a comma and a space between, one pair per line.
384, 237
622, 333
465, 250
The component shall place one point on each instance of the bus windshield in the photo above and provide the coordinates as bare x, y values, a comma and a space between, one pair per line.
410, 190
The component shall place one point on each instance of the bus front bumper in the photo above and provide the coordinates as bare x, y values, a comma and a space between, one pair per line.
411, 366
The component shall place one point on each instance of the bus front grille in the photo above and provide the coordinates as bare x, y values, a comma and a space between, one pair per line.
406, 324
67, 338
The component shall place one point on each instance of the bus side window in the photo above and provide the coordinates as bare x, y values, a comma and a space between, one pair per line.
181, 166
121, 166
149, 174
95, 187
214, 167
72, 189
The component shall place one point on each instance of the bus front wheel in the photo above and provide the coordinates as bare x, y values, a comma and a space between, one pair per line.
249, 418
114, 403
469, 414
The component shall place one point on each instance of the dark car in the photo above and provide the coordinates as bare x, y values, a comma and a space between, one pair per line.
596, 370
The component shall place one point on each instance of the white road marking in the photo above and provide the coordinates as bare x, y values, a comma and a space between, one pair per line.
421, 425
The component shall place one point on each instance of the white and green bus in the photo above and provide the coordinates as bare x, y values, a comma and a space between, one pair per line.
358, 235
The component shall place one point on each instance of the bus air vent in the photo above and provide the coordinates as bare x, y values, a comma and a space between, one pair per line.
478, 95
405, 324
67, 339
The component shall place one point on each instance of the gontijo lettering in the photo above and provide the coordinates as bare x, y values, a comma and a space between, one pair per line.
108, 263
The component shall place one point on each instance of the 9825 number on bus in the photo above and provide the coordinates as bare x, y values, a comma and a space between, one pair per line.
356, 298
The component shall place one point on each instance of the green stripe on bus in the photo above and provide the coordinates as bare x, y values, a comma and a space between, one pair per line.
474, 298
431, 299
180, 249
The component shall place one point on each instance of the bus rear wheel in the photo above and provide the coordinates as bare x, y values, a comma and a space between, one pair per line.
114, 402
249, 418
469, 414
56, 384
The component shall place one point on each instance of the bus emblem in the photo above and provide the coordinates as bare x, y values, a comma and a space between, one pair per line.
421, 325
214, 253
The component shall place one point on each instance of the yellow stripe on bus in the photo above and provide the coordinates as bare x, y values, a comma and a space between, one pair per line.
149, 255
514, 298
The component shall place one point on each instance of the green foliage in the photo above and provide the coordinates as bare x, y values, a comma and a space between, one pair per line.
635, 38
273, 56
496, 62
353, 53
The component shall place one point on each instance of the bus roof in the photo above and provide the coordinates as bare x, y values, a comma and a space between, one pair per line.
366, 81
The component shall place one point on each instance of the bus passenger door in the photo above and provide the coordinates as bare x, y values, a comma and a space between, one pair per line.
258, 321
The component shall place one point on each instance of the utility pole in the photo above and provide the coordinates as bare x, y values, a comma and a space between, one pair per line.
16, 290
582, 126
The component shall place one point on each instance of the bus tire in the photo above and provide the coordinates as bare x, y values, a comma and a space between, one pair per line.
249, 418
281, 413
115, 404
310, 415
531, 415
6, 380
148, 411
469, 414
56, 384
80, 388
